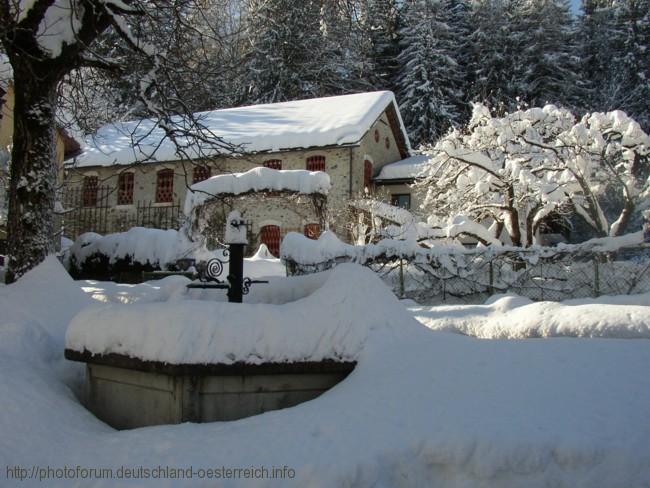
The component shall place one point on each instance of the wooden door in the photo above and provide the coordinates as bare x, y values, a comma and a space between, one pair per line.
270, 235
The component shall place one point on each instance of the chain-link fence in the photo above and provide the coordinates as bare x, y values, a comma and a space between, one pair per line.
472, 276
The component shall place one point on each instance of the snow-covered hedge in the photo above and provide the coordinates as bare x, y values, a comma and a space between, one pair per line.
301, 250
600, 266
139, 249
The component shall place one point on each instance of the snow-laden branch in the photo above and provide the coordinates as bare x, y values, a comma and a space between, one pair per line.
522, 169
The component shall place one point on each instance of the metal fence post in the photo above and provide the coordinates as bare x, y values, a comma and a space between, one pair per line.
491, 277
401, 277
596, 277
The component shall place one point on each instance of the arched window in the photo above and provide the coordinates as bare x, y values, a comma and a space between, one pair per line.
165, 185
312, 231
200, 173
125, 189
316, 163
376, 135
270, 235
273, 163
367, 174
89, 195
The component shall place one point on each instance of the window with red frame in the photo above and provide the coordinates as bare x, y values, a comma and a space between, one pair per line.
270, 235
125, 189
367, 174
273, 163
165, 185
316, 163
376, 135
312, 231
89, 195
200, 173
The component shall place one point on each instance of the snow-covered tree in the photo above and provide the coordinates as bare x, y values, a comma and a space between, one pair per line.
296, 51
514, 172
615, 59
490, 54
381, 23
431, 91
544, 49
45, 40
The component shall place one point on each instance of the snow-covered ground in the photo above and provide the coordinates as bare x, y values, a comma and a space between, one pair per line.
423, 407
514, 317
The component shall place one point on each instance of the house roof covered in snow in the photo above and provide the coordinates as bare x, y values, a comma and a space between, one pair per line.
405, 170
317, 122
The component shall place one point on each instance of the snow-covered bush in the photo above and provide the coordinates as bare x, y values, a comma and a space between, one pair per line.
93, 256
518, 171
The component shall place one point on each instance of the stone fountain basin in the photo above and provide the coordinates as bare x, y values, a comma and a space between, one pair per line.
204, 360
128, 392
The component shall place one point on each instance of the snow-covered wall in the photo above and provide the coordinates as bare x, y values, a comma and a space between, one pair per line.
257, 180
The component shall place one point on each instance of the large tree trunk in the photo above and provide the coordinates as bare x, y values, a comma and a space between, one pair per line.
33, 172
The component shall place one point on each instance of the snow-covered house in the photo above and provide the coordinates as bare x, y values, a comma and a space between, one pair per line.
349, 137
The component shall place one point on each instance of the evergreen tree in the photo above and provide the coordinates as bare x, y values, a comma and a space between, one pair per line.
296, 52
615, 52
490, 55
430, 94
284, 38
381, 20
544, 62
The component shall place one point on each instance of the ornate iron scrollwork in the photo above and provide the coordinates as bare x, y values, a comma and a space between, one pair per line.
246, 284
214, 268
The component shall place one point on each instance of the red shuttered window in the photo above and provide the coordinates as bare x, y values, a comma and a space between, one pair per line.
270, 235
125, 189
90, 185
316, 163
165, 185
200, 173
273, 163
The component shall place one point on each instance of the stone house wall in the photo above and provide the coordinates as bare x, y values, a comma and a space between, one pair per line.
291, 212
344, 165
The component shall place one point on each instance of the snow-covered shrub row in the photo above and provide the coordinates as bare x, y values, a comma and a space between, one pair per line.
600, 266
299, 249
138, 249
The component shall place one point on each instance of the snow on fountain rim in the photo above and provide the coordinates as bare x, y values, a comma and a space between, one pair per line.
332, 323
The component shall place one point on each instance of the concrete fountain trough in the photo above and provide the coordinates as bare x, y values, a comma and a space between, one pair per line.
127, 392
198, 359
